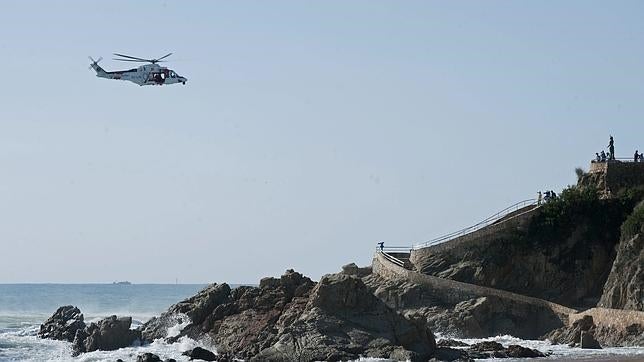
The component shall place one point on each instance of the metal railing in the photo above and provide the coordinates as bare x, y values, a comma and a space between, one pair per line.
478, 226
616, 159
392, 258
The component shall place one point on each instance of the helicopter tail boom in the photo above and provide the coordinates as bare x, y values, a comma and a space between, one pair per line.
100, 72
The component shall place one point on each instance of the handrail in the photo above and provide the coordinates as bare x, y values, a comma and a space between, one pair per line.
488, 221
616, 159
392, 258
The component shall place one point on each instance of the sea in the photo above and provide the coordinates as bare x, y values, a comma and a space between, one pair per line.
23, 307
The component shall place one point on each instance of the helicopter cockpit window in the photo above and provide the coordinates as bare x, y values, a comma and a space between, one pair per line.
173, 74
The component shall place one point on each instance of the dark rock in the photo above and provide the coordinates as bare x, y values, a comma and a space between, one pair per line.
193, 310
587, 341
293, 318
148, 357
107, 335
516, 351
487, 346
451, 343
201, 354
451, 354
63, 324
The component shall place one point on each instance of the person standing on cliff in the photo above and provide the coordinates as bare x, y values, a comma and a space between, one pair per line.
611, 149
636, 158
382, 245
539, 198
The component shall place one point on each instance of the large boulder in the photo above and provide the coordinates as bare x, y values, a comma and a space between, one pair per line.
108, 334
343, 320
63, 324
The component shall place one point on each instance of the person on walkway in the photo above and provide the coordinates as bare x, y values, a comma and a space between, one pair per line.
636, 158
382, 245
547, 197
611, 149
603, 156
539, 198
597, 158
553, 194
642, 157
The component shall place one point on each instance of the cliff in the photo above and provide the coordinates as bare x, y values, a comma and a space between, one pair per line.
563, 253
624, 288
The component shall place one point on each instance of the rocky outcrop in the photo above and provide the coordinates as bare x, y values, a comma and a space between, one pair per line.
63, 324
564, 254
192, 311
464, 314
293, 318
624, 288
106, 335
482, 350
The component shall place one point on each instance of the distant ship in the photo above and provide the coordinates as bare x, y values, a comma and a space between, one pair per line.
125, 282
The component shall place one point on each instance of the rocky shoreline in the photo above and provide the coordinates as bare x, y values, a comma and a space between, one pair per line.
292, 318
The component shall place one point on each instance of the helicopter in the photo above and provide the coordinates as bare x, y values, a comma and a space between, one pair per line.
148, 74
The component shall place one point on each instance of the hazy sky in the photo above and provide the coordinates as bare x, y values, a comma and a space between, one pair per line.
307, 132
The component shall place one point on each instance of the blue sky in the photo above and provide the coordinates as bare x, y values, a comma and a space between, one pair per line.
307, 132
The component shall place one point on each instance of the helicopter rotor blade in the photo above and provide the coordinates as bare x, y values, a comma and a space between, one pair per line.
163, 57
130, 60
131, 57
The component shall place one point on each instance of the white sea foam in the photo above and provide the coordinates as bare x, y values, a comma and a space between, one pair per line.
556, 351
181, 322
24, 345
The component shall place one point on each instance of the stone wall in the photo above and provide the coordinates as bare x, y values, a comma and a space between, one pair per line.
612, 176
453, 291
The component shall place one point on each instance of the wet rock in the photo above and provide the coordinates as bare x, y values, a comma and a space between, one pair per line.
487, 346
63, 324
108, 334
192, 311
451, 343
588, 341
200, 354
451, 354
148, 357
516, 351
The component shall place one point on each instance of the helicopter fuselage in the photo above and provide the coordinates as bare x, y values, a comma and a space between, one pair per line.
148, 74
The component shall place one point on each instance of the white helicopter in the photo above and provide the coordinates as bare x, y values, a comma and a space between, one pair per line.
149, 74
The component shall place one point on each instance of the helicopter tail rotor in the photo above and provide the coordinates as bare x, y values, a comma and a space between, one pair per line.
94, 62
